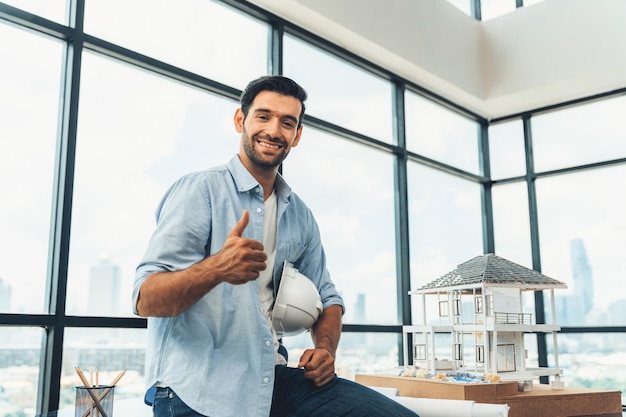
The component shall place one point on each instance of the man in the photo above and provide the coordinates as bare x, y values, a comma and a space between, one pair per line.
210, 273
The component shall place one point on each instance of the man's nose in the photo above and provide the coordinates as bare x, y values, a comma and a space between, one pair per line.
272, 127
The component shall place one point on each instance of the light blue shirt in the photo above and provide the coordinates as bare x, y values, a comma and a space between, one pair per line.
218, 356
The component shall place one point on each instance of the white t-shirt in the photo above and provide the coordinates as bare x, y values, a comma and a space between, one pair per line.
266, 284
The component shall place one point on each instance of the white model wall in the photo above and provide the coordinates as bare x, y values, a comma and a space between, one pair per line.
506, 300
540, 55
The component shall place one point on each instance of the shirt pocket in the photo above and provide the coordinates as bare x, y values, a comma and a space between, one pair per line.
294, 250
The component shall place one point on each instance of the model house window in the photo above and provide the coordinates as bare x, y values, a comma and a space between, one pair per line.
489, 302
480, 354
478, 304
456, 307
419, 352
443, 308
458, 351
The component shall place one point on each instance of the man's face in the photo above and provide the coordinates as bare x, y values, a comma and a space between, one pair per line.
270, 129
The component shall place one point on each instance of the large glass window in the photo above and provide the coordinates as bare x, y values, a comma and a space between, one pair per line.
357, 353
137, 134
347, 186
593, 361
104, 354
20, 352
202, 36
582, 231
511, 223
580, 135
50, 9
440, 134
444, 222
29, 100
339, 92
506, 150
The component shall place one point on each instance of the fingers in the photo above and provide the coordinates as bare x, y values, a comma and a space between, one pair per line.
237, 232
305, 358
323, 380
319, 366
241, 259
241, 225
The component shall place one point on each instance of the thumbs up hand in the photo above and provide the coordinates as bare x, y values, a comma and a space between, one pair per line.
241, 225
240, 259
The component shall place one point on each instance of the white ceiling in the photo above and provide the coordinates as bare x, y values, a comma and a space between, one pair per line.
537, 56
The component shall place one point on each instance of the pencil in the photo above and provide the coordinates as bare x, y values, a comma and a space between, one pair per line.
106, 391
90, 391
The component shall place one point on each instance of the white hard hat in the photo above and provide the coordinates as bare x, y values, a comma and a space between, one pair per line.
298, 303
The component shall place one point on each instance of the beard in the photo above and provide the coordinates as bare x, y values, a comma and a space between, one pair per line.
259, 158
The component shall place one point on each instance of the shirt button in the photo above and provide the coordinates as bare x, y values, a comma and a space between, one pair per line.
266, 380
267, 343
259, 209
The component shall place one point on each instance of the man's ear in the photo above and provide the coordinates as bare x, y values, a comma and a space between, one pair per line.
297, 138
238, 119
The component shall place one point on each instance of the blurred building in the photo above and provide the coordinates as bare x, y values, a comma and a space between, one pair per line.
104, 289
5, 296
573, 309
581, 274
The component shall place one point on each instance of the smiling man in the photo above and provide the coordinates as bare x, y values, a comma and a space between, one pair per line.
210, 274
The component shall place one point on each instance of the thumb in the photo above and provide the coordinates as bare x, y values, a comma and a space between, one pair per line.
305, 358
241, 225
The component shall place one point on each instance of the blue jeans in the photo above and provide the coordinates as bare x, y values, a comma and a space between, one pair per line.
296, 396
168, 404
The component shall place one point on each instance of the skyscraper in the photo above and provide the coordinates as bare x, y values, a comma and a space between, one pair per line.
581, 275
104, 289
573, 309
359, 309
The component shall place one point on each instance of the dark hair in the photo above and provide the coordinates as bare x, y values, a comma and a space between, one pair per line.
276, 83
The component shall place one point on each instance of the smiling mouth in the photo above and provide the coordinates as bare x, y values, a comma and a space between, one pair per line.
268, 145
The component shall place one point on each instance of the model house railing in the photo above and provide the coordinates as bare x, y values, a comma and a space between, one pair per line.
513, 318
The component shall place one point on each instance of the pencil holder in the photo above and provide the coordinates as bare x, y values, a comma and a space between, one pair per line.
94, 401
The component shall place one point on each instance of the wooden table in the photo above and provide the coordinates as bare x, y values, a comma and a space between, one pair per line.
541, 401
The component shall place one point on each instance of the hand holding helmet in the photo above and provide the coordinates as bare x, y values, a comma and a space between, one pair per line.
298, 304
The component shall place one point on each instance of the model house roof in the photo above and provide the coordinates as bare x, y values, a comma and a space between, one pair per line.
489, 269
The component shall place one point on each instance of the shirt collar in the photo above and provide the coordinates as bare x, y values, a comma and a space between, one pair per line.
246, 182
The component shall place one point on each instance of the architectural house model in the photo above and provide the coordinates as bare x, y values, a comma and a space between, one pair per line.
477, 310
